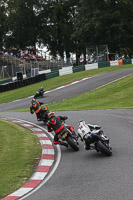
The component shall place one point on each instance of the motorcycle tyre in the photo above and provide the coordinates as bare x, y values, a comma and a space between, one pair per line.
103, 149
72, 144
45, 120
35, 96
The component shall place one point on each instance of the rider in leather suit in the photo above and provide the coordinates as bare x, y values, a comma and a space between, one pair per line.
55, 124
36, 107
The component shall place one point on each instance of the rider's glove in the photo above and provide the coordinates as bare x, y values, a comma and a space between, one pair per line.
32, 112
66, 118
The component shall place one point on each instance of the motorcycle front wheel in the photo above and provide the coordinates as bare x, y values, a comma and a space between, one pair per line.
103, 149
73, 143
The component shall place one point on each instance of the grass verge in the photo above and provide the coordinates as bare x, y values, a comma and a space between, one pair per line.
55, 82
20, 152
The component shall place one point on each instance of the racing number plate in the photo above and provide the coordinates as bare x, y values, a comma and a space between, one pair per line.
64, 135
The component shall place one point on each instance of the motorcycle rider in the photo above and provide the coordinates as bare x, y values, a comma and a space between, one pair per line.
39, 93
55, 124
87, 137
36, 107
41, 90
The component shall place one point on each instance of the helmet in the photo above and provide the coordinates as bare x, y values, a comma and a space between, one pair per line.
33, 101
42, 87
51, 114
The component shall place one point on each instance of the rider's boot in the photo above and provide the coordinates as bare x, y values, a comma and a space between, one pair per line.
87, 144
87, 147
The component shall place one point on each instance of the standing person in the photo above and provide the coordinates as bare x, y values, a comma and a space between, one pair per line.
55, 124
36, 107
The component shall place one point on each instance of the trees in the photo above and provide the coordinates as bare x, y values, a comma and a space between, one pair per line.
3, 22
67, 26
22, 23
60, 27
105, 22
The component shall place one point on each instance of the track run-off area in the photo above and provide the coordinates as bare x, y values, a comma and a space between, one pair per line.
87, 174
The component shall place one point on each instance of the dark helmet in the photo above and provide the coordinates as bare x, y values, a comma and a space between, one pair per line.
51, 114
33, 101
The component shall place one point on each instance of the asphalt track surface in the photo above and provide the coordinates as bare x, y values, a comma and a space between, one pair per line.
87, 174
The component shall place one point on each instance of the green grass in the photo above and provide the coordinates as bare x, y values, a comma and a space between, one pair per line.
20, 152
54, 82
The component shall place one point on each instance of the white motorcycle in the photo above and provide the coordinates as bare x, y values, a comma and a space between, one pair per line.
94, 138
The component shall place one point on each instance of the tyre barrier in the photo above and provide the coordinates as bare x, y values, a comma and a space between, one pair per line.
78, 68
52, 74
104, 64
22, 83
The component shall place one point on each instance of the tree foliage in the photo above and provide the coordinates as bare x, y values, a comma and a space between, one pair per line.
3, 22
67, 26
106, 22
22, 23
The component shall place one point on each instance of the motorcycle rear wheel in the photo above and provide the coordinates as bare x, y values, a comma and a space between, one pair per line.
103, 149
35, 96
73, 144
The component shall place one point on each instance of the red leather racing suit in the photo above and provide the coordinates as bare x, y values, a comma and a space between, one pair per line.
56, 125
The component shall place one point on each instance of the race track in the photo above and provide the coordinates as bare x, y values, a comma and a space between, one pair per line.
87, 174
71, 90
